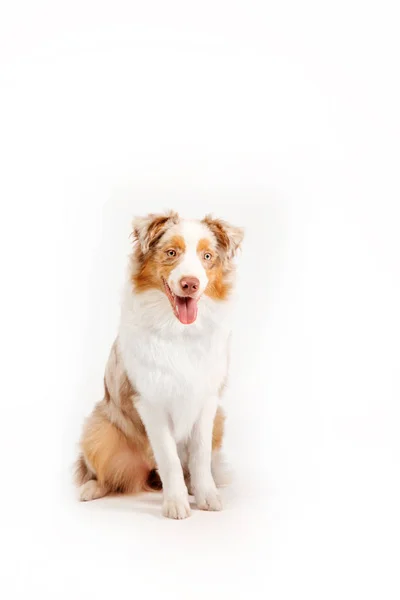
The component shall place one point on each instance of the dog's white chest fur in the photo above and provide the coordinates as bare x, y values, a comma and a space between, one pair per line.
173, 367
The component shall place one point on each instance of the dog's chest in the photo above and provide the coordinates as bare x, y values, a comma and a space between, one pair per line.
178, 374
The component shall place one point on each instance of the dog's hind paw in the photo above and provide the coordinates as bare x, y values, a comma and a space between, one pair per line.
91, 490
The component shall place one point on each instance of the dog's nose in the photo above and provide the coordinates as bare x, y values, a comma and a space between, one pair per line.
189, 285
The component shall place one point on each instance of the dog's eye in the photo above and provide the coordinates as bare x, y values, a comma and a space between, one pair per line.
171, 252
207, 256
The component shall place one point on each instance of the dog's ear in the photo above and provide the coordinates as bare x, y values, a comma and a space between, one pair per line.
148, 230
228, 237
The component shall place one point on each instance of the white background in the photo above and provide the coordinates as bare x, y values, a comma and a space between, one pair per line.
282, 117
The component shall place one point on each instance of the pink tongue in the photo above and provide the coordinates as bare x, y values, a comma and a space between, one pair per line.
187, 310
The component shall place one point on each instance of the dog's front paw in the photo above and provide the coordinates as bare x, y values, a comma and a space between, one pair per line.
176, 507
208, 499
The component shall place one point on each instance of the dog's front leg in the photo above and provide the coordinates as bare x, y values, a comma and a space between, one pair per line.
200, 447
176, 501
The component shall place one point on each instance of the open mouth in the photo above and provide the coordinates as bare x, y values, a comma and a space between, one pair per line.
185, 308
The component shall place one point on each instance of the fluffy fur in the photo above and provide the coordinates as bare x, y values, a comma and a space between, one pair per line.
159, 424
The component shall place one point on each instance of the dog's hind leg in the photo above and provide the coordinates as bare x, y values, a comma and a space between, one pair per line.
109, 463
89, 487
220, 470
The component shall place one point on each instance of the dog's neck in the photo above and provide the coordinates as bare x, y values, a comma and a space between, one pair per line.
150, 311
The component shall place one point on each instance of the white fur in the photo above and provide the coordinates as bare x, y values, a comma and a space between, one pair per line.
178, 370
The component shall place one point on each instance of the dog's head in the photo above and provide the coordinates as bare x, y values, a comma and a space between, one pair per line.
184, 260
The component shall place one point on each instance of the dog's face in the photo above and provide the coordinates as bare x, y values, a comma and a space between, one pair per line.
184, 260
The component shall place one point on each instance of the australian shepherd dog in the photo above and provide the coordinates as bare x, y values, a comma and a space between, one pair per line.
159, 425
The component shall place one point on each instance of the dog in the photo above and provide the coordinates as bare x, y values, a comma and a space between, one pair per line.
159, 425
